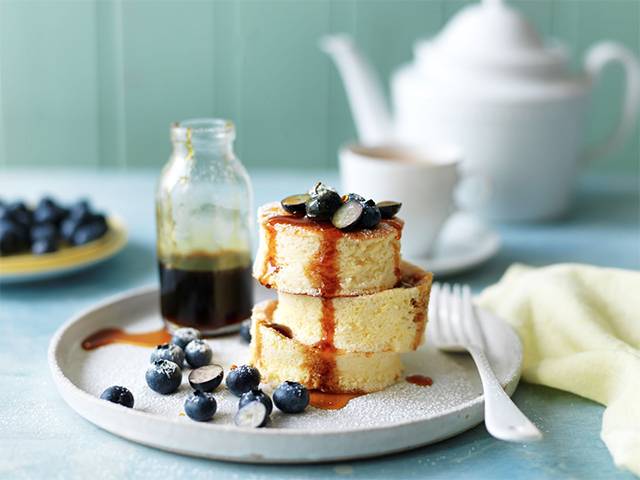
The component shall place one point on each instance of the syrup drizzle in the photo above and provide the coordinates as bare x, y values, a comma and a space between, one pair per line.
324, 272
108, 336
420, 380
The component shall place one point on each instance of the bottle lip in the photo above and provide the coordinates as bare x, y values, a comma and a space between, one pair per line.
203, 129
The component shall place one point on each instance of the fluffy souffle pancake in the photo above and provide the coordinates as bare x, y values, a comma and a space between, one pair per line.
389, 321
280, 356
300, 256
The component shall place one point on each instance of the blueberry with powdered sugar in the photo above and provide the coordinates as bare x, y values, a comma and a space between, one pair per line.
164, 376
168, 351
291, 397
200, 406
183, 336
243, 379
120, 395
198, 353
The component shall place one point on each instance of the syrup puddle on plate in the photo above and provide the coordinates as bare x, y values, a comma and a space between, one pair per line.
420, 380
108, 336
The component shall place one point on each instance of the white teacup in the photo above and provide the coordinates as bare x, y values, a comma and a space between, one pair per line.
425, 183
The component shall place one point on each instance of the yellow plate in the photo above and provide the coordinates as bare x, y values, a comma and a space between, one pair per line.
27, 267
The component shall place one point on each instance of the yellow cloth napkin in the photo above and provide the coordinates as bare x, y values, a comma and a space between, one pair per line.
580, 327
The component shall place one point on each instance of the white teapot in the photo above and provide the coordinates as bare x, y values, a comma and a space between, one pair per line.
489, 84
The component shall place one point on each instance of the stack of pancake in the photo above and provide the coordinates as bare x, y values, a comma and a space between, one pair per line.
347, 304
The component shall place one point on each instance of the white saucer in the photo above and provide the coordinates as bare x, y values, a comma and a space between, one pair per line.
464, 243
399, 418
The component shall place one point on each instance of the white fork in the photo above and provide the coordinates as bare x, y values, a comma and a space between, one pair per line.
454, 328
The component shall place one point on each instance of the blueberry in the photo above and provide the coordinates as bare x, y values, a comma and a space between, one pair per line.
168, 351
389, 209
48, 210
182, 336
256, 395
245, 331
243, 379
88, 232
253, 415
80, 210
323, 202
68, 228
370, 216
20, 213
207, 378
353, 196
200, 406
164, 376
295, 204
44, 245
43, 230
12, 238
198, 353
119, 395
291, 397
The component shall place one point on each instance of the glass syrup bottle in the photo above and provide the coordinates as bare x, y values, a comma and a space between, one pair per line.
203, 221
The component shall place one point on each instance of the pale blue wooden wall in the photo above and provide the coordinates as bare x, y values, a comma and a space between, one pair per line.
97, 83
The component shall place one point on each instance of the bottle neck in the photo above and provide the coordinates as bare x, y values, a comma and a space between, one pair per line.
203, 139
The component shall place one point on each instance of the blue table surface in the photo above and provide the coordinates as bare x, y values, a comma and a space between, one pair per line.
40, 437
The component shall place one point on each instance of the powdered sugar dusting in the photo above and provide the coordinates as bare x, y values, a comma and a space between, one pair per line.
455, 382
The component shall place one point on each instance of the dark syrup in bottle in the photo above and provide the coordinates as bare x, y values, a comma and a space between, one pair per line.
210, 292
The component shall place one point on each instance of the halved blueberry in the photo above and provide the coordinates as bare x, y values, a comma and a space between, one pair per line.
182, 336
347, 217
168, 351
164, 376
243, 379
198, 353
200, 406
207, 378
295, 204
252, 415
256, 395
291, 397
389, 209
120, 395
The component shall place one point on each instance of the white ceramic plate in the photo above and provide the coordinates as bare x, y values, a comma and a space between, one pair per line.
399, 418
28, 268
464, 243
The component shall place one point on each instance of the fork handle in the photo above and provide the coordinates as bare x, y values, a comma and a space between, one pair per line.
502, 417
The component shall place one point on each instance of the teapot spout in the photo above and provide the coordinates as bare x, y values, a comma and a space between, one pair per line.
366, 99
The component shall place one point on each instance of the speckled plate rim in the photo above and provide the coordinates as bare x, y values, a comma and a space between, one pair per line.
269, 445
26, 268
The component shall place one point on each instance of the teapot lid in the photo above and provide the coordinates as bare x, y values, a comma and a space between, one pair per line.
491, 34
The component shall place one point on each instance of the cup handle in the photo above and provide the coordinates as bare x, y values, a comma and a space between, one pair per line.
472, 184
596, 59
